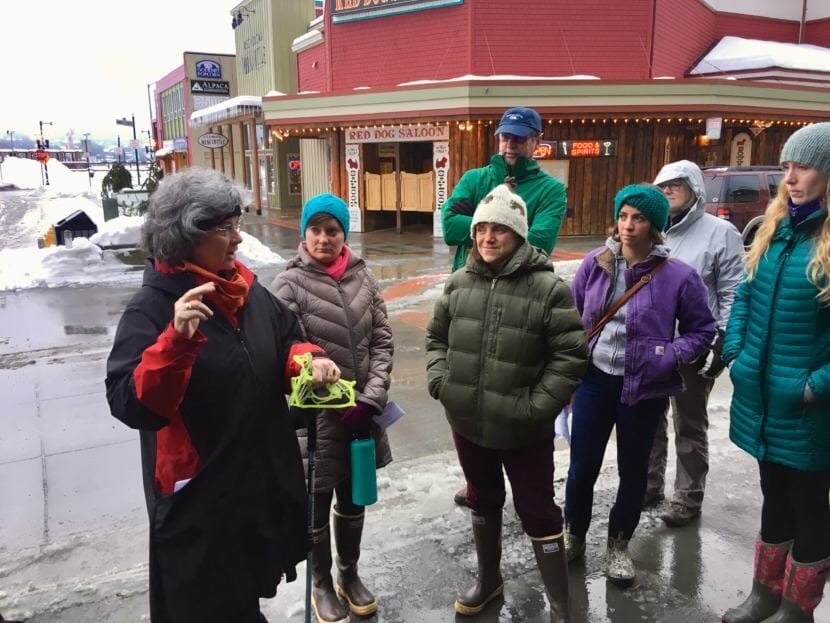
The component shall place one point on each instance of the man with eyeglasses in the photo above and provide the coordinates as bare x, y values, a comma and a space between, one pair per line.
713, 247
518, 133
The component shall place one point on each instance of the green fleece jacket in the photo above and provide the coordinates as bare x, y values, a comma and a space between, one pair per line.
778, 337
544, 196
505, 351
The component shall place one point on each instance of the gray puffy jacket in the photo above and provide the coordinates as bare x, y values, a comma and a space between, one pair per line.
348, 320
711, 246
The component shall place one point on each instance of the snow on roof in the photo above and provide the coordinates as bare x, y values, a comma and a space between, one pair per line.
472, 78
739, 54
233, 107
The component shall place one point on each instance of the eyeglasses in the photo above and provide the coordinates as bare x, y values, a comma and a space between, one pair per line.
228, 227
671, 185
519, 140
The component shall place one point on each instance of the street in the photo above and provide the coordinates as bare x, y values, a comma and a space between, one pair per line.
73, 526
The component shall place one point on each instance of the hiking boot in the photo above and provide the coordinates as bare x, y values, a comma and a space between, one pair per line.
653, 499
679, 515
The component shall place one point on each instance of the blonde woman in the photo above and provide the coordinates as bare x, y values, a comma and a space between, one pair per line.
778, 345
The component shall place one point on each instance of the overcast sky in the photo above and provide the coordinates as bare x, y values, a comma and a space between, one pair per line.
83, 63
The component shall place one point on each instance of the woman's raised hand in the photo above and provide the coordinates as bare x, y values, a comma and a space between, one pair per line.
189, 310
324, 371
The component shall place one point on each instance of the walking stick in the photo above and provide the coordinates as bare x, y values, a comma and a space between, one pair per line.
312, 451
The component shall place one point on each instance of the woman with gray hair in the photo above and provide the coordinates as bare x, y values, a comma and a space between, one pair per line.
201, 362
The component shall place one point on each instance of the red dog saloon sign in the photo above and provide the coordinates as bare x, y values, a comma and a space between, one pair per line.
351, 10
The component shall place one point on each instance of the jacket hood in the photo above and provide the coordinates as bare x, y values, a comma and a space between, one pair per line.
689, 171
615, 246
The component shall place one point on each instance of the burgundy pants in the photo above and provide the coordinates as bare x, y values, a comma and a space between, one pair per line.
530, 470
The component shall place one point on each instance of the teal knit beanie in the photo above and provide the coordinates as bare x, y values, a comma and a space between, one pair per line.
811, 146
648, 200
329, 204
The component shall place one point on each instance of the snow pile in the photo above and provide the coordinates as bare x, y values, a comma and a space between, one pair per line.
254, 254
25, 173
46, 208
121, 231
58, 266
567, 269
739, 54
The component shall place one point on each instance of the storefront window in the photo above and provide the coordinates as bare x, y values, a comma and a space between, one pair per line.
295, 175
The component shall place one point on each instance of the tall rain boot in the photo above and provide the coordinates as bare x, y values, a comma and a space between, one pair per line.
550, 557
803, 589
348, 530
767, 584
327, 607
487, 537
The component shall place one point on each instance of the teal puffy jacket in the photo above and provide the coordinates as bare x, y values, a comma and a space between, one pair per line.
506, 351
779, 339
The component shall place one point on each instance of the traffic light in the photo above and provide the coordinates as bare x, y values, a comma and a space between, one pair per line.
39, 143
46, 144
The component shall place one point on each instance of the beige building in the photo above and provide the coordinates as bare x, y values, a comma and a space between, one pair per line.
269, 164
202, 81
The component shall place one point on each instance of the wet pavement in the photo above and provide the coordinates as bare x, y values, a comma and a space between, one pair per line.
73, 524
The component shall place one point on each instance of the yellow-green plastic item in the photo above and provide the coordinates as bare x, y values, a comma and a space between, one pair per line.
337, 396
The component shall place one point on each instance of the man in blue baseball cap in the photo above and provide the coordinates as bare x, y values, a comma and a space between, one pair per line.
518, 132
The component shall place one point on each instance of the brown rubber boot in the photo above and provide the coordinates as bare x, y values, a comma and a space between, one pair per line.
487, 537
550, 557
348, 530
327, 606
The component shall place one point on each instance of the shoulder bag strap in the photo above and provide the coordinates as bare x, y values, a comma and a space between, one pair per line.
624, 299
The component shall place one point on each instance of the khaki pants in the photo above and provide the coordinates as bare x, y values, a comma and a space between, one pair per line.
691, 442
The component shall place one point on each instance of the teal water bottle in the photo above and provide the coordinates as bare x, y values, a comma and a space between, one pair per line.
364, 476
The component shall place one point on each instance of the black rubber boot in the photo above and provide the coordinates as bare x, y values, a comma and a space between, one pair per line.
348, 530
487, 537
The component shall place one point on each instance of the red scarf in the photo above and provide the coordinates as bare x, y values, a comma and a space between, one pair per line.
338, 267
231, 292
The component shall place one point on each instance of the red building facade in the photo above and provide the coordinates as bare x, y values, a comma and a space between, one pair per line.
596, 70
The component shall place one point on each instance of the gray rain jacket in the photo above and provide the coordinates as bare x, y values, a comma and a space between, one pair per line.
712, 247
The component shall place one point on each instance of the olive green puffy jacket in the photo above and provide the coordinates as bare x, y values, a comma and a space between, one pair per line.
505, 351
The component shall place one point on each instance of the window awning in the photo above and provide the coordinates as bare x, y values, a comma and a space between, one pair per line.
229, 109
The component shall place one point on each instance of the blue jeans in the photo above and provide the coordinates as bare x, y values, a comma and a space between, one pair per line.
596, 410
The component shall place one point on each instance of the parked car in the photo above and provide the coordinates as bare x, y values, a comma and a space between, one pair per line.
740, 195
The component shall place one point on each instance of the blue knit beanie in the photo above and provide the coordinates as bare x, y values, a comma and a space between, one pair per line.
647, 199
329, 204
811, 146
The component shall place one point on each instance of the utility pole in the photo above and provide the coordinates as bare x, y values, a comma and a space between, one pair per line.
11, 138
131, 123
86, 151
43, 143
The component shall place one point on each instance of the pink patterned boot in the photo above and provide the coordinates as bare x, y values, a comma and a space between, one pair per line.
767, 584
803, 588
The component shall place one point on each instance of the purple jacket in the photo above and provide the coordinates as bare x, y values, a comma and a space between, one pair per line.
667, 322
